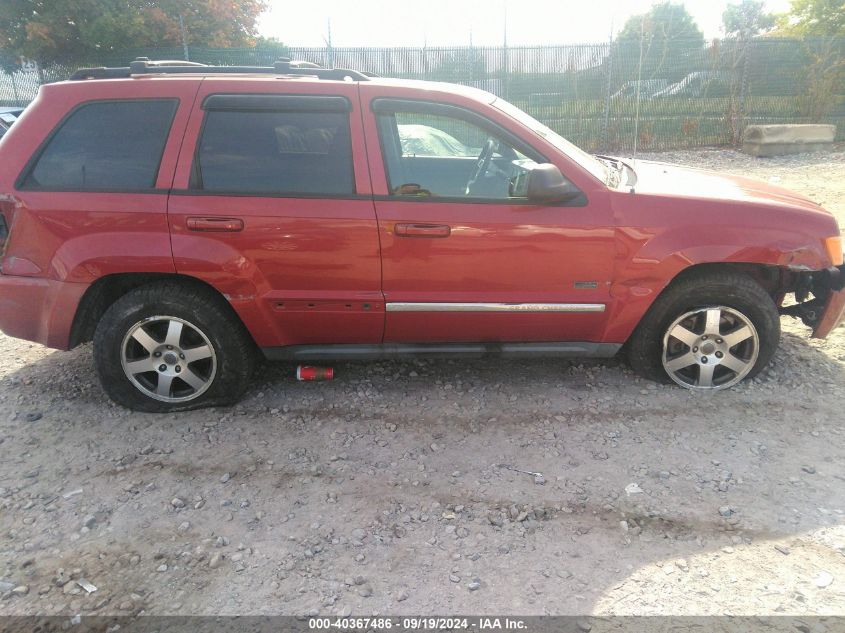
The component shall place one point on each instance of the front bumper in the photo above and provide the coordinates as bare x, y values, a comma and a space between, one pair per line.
833, 312
39, 310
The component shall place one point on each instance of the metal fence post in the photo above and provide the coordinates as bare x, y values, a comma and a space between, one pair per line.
743, 90
606, 127
506, 73
15, 89
184, 38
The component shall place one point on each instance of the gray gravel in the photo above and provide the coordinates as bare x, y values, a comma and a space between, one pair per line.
384, 492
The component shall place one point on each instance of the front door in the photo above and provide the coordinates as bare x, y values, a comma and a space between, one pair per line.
466, 257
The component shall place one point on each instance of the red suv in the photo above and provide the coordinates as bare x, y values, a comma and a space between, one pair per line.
188, 218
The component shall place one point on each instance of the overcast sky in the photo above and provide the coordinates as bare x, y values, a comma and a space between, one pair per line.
450, 22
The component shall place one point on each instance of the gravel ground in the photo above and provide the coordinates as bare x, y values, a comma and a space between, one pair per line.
396, 488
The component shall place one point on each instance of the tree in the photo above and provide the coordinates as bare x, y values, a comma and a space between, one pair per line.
813, 18
746, 19
667, 40
76, 30
664, 23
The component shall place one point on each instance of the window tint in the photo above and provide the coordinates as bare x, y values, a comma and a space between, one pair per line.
433, 155
275, 152
105, 146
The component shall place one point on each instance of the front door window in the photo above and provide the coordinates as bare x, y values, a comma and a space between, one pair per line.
437, 156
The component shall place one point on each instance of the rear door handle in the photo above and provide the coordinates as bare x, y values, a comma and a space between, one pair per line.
423, 230
218, 225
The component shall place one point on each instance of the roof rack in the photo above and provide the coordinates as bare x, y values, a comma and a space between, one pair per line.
284, 66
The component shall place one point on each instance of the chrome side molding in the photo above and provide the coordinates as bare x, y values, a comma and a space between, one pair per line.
493, 307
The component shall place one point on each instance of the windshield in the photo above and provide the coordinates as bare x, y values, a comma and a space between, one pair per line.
588, 162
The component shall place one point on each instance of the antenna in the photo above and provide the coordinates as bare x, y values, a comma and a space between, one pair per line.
639, 84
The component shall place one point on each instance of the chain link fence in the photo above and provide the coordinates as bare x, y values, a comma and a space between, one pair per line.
615, 96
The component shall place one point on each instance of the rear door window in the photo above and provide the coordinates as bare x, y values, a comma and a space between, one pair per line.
105, 146
257, 147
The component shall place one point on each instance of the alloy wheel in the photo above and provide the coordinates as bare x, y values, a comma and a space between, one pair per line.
168, 359
710, 348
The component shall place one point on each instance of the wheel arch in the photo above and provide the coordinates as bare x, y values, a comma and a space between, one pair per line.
109, 288
775, 279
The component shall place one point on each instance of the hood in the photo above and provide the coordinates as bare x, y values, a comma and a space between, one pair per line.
673, 180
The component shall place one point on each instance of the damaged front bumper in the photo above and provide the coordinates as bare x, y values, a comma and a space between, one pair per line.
826, 310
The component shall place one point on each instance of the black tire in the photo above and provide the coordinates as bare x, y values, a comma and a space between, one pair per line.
700, 290
233, 348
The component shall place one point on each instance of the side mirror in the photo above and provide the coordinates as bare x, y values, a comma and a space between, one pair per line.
547, 184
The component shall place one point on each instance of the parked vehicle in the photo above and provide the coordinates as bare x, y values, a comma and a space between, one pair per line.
7, 117
698, 84
644, 87
190, 220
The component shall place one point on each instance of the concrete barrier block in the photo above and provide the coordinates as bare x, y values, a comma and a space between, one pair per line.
777, 140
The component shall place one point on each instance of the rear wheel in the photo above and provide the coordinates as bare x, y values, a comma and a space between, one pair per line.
172, 347
707, 332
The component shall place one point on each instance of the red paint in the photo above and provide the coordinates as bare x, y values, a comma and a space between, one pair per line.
308, 270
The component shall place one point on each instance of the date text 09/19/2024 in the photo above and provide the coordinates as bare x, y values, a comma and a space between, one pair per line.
409, 623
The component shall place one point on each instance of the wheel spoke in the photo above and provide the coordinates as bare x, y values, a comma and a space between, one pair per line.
174, 333
705, 375
684, 335
170, 364
738, 336
711, 325
164, 383
682, 361
733, 363
197, 353
145, 340
140, 366
192, 379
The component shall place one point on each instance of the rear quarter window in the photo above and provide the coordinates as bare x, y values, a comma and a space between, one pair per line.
104, 146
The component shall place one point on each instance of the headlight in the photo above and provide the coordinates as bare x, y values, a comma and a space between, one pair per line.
833, 246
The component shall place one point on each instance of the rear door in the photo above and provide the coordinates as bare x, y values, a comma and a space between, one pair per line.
272, 206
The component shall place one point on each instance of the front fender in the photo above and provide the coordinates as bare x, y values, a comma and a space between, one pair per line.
647, 261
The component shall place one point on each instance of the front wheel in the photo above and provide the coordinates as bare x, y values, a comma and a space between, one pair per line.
707, 332
171, 347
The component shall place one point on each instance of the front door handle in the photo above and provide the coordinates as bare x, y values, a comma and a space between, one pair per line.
217, 225
423, 230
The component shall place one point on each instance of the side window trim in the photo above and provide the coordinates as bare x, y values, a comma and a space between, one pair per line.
389, 143
30, 165
258, 102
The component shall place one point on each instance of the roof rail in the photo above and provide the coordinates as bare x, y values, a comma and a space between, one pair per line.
284, 66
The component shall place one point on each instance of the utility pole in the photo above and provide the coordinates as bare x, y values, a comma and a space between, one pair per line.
505, 57
505, 26
184, 38
329, 50
639, 85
